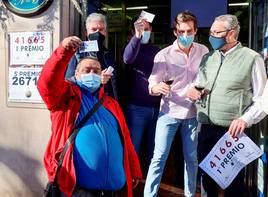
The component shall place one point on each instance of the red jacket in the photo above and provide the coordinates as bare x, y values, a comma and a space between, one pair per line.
63, 100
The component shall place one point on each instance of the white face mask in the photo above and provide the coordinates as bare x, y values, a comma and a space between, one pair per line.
91, 81
145, 37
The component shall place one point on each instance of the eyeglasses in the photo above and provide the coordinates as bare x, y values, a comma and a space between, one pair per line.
215, 33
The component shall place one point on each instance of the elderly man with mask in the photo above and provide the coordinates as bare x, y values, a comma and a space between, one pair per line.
177, 113
234, 77
96, 29
102, 159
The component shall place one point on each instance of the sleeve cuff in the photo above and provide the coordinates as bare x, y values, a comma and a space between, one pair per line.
247, 120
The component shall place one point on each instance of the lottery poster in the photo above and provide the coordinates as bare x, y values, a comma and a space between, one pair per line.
228, 157
28, 52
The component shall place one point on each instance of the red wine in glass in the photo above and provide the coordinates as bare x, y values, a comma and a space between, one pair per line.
168, 82
199, 88
200, 101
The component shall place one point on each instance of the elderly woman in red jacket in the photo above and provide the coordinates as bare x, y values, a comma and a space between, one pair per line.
102, 159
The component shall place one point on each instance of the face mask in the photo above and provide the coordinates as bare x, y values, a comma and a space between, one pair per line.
97, 36
91, 81
217, 43
145, 37
186, 41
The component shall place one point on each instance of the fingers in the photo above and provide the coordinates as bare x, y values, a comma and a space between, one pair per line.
71, 43
193, 94
139, 27
237, 127
139, 22
161, 88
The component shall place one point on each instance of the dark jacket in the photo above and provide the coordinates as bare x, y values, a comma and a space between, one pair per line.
140, 61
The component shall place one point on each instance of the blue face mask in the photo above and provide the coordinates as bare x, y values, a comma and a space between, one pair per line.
186, 41
217, 43
145, 37
91, 81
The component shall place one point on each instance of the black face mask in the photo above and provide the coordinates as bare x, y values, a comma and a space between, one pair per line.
97, 36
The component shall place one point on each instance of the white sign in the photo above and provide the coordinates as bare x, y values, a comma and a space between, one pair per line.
147, 16
29, 47
87, 46
228, 157
22, 84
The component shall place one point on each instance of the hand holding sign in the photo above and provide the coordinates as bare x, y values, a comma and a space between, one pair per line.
106, 74
147, 16
228, 157
139, 27
142, 23
71, 43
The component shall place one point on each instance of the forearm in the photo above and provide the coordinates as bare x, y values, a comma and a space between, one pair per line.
255, 113
51, 81
131, 51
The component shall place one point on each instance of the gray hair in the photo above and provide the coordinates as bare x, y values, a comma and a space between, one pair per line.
232, 22
86, 57
96, 17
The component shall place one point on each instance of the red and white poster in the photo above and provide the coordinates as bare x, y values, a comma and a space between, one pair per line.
228, 157
29, 47
28, 53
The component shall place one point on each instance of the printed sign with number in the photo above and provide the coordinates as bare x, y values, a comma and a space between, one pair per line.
228, 157
28, 53
29, 47
22, 84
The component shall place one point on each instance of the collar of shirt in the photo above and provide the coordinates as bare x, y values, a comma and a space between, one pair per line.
230, 50
177, 48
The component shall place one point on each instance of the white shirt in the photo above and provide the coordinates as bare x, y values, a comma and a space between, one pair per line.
254, 113
263, 104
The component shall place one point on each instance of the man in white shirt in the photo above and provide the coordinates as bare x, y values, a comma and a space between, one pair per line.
235, 77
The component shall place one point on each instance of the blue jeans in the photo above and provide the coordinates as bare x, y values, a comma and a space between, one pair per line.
166, 129
141, 121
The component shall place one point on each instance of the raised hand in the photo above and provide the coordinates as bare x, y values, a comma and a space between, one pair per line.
71, 43
139, 27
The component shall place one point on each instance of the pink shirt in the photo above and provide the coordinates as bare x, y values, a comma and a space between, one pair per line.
185, 69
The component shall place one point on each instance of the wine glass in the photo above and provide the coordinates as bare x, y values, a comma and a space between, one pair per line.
168, 79
204, 89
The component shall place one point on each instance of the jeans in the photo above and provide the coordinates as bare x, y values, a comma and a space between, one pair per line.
166, 129
141, 121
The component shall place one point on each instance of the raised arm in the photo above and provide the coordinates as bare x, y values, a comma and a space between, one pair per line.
51, 83
132, 49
